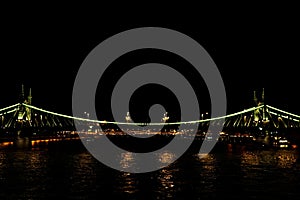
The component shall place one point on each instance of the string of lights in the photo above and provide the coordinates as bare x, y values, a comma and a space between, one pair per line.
140, 124
8, 107
288, 113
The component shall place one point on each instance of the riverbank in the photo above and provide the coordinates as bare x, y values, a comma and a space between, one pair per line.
153, 143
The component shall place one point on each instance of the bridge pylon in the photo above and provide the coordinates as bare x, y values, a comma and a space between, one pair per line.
24, 113
260, 115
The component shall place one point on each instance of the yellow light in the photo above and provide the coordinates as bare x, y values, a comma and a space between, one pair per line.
6, 143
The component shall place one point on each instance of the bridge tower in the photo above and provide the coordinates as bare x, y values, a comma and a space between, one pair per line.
29, 101
264, 111
29, 97
255, 112
260, 114
24, 113
21, 109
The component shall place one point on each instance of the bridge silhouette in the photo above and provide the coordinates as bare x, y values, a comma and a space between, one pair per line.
262, 118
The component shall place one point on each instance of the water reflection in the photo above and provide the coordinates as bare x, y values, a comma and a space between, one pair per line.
127, 183
81, 173
3, 159
208, 163
207, 174
72, 173
286, 159
166, 158
22, 142
166, 186
270, 172
161, 182
127, 160
277, 158
250, 158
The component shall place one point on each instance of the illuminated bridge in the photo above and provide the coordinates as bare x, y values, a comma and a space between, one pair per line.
22, 117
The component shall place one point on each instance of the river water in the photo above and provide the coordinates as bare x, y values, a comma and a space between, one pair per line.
66, 170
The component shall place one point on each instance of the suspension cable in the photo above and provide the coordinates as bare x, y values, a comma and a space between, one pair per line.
139, 124
283, 111
8, 107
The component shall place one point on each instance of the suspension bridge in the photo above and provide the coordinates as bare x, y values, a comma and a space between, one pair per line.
24, 117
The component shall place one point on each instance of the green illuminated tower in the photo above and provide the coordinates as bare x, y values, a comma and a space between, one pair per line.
22, 94
255, 98
255, 112
28, 110
29, 97
264, 105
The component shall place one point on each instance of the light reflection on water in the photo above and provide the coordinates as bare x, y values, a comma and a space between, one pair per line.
69, 171
166, 157
280, 158
127, 160
129, 183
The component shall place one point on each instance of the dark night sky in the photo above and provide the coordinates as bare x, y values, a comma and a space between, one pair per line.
251, 54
